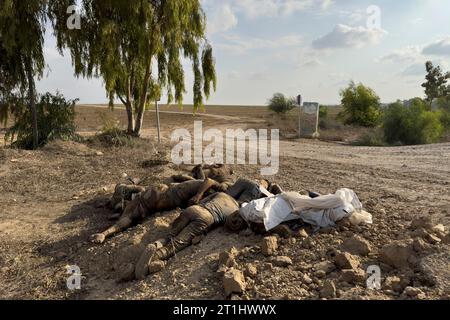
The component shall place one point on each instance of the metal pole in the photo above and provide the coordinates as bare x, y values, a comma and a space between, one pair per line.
299, 102
157, 122
317, 120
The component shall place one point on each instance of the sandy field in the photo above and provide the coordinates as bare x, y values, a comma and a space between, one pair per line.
53, 200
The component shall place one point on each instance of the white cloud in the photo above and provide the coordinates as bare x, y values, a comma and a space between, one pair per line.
416, 69
311, 64
221, 19
326, 4
271, 8
238, 44
253, 9
344, 36
438, 48
408, 54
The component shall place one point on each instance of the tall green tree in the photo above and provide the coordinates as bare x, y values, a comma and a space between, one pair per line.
138, 48
436, 83
22, 29
361, 105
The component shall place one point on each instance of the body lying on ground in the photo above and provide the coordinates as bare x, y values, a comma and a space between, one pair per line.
319, 211
216, 172
157, 199
196, 221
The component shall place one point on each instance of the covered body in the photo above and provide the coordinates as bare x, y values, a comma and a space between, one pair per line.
321, 212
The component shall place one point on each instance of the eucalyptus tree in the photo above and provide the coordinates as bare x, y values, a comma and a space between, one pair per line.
138, 47
22, 29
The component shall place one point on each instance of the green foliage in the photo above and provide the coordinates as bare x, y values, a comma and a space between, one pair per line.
56, 117
412, 124
280, 104
323, 112
137, 48
22, 28
361, 106
324, 120
444, 108
436, 83
373, 138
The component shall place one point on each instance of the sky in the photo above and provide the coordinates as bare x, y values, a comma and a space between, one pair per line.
309, 47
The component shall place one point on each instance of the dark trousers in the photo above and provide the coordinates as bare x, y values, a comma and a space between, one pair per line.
192, 222
244, 190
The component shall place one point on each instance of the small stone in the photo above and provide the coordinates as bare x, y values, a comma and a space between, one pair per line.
413, 292
269, 245
397, 254
302, 234
228, 258
268, 266
306, 279
357, 245
431, 238
308, 243
328, 290
353, 276
250, 270
99, 153
124, 175
282, 261
393, 283
345, 260
233, 282
326, 266
440, 228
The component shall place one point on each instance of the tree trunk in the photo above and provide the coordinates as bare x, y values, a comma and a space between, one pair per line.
130, 117
142, 100
32, 105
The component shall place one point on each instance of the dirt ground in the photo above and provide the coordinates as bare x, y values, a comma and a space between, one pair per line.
52, 200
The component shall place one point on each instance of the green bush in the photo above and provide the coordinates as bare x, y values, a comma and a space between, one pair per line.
280, 104
361, 106
412, 124
323, 117
372, 138
443, 104
56, 120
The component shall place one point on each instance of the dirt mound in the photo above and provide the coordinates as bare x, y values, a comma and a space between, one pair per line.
69, 147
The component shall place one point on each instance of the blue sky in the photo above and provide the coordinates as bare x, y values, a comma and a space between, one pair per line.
312, 47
